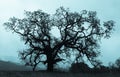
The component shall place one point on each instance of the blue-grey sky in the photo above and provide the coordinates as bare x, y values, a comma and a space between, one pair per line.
106, 10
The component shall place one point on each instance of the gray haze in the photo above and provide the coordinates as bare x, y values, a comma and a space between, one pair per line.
106, 10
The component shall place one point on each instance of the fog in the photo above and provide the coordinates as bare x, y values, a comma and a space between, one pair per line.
10, 43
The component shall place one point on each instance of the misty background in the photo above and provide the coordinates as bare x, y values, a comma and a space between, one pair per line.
10, 43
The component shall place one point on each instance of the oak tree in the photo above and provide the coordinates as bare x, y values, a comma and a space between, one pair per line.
78, 32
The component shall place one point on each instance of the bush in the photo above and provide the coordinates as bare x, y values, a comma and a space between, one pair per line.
79, 67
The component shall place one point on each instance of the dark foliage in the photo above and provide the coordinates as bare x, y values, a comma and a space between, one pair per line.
84, 68
79, 67
101, 69
115, 67
117, 63
79, 33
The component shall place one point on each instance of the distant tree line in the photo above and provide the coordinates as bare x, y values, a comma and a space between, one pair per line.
84, 68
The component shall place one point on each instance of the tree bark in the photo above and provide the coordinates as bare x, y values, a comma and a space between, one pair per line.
50, 66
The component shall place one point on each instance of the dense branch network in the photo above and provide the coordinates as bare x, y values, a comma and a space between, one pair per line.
79, 32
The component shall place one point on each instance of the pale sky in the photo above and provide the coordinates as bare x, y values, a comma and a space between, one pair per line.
106, 10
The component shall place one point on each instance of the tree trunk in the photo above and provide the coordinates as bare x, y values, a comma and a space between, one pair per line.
34, 67
50, 66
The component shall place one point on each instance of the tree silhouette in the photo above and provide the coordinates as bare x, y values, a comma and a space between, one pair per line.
78, 32
117, 63
80, 67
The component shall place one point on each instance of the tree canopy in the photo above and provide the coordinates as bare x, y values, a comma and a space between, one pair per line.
78, 32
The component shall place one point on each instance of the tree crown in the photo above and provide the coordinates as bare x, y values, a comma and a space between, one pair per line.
79, 32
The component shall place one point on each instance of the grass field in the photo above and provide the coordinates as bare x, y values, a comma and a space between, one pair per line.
54, 74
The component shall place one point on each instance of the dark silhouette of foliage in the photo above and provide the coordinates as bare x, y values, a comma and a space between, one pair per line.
79, 32
79, 67
117, 63
115, 67
100, 69
84, 68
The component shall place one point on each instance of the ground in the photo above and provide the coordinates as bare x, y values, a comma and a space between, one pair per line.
54, 74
